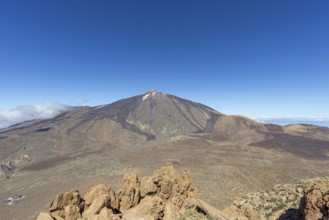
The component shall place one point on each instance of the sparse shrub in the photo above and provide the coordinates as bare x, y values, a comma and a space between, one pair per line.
279, 207
262, 197
280, 200
267, 207
259, 207
192, 215
301, 185
268, 214
272, 200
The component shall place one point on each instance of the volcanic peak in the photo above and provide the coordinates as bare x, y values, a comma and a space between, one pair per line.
151, 92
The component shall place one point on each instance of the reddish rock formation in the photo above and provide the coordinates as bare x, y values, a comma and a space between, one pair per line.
129, 194
66, 205
315, 203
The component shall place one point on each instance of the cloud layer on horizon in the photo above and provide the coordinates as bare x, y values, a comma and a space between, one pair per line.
286, 121
29, 112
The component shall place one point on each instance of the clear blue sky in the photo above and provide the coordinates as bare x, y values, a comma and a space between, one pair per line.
255, 58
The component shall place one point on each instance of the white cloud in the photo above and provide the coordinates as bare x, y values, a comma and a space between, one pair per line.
285, 121
29, 112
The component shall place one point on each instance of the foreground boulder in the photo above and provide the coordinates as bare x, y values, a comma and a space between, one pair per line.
165, 195
100, 200
315, 203
129, 194
66, 205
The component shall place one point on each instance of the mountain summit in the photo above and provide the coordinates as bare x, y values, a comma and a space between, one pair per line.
160, 114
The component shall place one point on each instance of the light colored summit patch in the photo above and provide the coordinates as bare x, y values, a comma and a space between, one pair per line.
151, 92
145, 96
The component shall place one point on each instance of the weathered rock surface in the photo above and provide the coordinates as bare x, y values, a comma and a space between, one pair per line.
315, 203
165, 195
129, 194
44, 216
150, 208
66, 205
99, 197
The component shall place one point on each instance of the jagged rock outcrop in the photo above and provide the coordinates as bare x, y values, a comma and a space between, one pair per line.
165, 195
129, 194
151, 207
100, 200
315, 203
66, 205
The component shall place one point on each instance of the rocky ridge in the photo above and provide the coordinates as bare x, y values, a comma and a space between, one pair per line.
165, 195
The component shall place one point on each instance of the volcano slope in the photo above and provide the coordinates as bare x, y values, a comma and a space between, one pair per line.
227, 155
